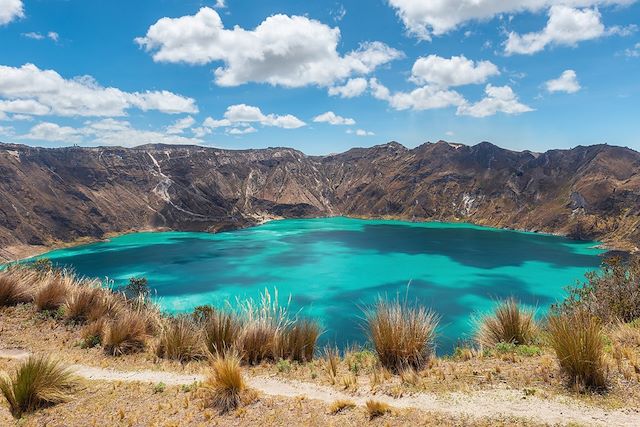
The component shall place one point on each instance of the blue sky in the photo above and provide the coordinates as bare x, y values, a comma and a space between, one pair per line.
320, 76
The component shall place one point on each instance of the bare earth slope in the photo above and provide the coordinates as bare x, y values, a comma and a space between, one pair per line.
54, 196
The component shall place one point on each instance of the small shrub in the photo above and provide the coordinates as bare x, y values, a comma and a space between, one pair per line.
126, 334
403, 336
341, 406
298, 341
611, 294
92, 334
38, 382
53, 292
180, 340
14, 286
226, 384
509, 323
376, 408
159, 388
221, 332
283, 366
42, 265
202, 313
578, 341
137, 289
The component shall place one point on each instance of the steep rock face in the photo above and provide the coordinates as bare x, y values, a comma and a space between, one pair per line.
51, 196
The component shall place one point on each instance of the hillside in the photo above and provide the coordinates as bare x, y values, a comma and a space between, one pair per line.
61, 195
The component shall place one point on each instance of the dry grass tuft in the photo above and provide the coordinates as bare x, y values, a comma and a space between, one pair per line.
127, 333
402, 335
221, 332
14, 286
93, 334
331, 362
263, 326
341, 406
298, 341
89, 302
578, 341
376, 408
181, 340
53, 291
38, 382
509, 323
226, 384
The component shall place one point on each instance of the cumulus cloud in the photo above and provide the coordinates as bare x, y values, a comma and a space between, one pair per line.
290, 51
566, 27
633, 52
567, 82
181, 125
333, 119
498, 99
436, 17
106, 132
10, 10
220, 4
30, 90
239, 118
454, 71
423, 98
351, 89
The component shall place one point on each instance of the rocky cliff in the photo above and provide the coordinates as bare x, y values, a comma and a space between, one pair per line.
53, 196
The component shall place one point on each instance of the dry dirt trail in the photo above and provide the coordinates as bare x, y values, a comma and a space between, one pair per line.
478, 404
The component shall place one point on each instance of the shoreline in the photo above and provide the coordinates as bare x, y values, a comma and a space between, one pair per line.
19, 253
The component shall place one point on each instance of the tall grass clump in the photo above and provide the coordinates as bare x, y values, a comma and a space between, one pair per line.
298, 340
611, 294
181, 340
90, 302
53, 291
37, 383
127, 333
221, 331
263, 325
225, 383
578, 341
509, 323
15, 286
403, 335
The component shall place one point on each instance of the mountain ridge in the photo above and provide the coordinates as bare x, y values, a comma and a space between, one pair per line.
54, 196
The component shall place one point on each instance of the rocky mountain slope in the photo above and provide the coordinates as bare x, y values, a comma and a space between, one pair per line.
52, 196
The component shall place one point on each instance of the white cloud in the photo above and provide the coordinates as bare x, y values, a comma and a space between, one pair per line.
333, 119
52, 35
3, 116
290, 51
498, 99
181, 125
353, 87
48, 93
424, 18
54, 132
455, 71
220, 4
566, 27
108, 132
360, 132
10, 10
567, 82
633, 52
242, 131
241, 116
423, 98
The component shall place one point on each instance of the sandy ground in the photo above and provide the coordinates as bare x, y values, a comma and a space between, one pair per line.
497, 403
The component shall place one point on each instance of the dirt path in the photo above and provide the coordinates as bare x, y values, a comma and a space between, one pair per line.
478, 404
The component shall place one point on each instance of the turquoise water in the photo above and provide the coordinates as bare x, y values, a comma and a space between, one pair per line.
331, 267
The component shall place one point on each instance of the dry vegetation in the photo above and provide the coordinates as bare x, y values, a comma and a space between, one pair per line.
573, 351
